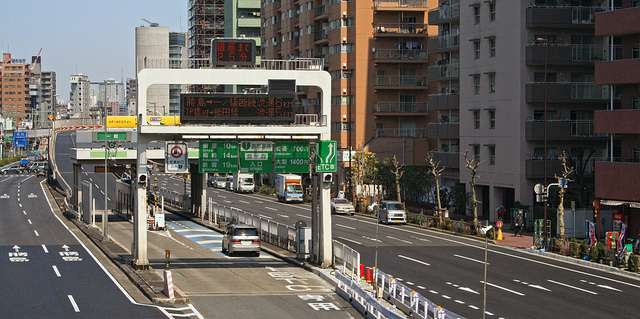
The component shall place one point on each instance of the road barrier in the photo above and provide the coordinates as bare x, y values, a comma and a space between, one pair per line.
347, 258
362, 300
404, 297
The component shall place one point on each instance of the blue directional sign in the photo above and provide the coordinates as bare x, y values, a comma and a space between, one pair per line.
20, 139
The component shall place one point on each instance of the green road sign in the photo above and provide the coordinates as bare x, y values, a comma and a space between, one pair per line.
326, 157
291, 157
111, 136
218, 157
255, 157
8, 139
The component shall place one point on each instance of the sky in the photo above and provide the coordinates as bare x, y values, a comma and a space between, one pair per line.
95, 38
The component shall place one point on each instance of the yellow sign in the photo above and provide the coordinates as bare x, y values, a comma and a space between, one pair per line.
50, 117
131, 121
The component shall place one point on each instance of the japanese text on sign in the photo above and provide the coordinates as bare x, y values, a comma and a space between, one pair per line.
201, 108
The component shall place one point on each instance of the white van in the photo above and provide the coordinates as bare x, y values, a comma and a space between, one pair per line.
391, 212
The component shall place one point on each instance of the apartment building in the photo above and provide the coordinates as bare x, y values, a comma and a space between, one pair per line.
42, 90
504, 72
376, 55
79, 96
15, 101
617, 180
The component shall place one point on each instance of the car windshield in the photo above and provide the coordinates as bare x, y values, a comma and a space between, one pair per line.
341, 201
294, 189
395, 206
247, 181
221, 179
245, 232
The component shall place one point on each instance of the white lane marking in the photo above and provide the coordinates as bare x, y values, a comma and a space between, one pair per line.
222, 196
265, 216
228, 201
303, 216
259, 201
609, 287
467, 258
489, 313
474, 245
569, 286
29, 220
473, 307
20, 204
372, 239
244, 201
35, 231
73, 303
344, 226
410, 283
421, 239
270, 208
459, 301
433, 292
55, 269
423, 288
503, 288
283, 216
24, 212
46, 251
398, 239
415, 260
446, 297
353, 241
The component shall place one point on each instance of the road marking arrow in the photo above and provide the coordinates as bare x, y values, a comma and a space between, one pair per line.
65, 247
609, 287
539, 287
467, 289
16, 248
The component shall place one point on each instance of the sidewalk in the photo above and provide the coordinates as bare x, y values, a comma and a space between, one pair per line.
520, 241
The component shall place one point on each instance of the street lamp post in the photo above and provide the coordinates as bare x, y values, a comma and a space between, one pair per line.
545, 41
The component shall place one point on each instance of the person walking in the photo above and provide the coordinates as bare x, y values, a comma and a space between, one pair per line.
519, 224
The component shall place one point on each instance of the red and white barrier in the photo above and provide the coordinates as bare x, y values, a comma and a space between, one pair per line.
168, 284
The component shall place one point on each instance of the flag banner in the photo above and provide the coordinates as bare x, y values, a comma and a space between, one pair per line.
591, 233
620, 243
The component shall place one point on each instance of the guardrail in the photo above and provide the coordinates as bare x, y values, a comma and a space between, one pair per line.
412, 300
364, 301
348, 258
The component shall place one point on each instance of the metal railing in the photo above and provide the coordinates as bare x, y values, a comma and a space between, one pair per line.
416, 132
413, 300
449, 70
447, 41
401, 107
294, 64
308, 64
401, 80
347, 258
364, 301
448, 11
401, 28
404, 54
401, 3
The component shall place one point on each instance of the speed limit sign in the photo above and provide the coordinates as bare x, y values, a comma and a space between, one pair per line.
176, 158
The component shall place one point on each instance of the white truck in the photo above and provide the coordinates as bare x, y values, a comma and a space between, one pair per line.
289, 188
243, 182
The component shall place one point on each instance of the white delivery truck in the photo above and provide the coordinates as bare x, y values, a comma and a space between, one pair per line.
243, 182
289, 188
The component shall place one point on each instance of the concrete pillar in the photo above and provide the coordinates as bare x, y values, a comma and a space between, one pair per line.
77, 187
140, 256
326, 239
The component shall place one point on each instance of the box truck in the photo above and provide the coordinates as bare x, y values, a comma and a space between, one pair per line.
289, 188
243, 182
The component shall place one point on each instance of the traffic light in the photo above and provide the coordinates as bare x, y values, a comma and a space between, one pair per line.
327, 177
142, 179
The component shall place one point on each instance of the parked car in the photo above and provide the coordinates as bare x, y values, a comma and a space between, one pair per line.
342, 206
391, 212
14, 168
241, 238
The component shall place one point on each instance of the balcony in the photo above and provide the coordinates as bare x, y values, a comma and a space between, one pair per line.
404, 81
443, 43
558, 130
447, 159
400, 4
248, 22
618, 72
618, 181
617, 122
566, 54
400, 108
443, 101
400, 30
534, 167
321, 11
321, 36
561, 17
416, 132
444, 14
444, 130
444, 72
402, 56
616, 22
573, 92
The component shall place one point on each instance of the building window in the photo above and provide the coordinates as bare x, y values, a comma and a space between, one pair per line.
476, 84
492, 47
492, 119
635, 102
476, 14
476, 120
492, 155
492, 11
539, 77
635, 53
342, 126
492, 83
476, 153
476, 49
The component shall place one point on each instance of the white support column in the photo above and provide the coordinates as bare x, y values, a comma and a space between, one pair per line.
140, 259
326, 246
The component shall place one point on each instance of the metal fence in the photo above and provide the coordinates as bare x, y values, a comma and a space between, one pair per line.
347, 258
414, 301
364, 301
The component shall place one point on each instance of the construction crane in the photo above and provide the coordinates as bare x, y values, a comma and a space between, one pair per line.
34, 62
151, 24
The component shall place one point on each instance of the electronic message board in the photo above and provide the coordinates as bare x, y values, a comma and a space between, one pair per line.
236, 108
233, 52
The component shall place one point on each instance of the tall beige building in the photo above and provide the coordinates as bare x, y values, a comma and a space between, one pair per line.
15, 100
376, 55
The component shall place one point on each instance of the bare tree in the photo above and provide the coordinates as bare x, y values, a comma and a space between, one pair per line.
563, 178
472, 164
436, 170
398, 173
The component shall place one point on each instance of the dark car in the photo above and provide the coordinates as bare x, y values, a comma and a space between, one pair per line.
14, 168
241, 238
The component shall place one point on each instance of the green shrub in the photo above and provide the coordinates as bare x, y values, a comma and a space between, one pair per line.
632, 264
583, 248
573, 247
